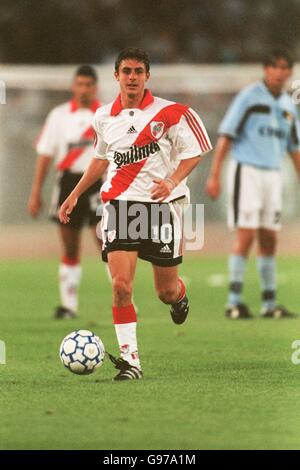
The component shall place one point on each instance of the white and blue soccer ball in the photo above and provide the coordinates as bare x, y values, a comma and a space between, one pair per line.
82, 352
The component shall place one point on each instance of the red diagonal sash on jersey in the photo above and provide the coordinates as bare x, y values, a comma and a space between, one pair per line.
169, 116
75, 153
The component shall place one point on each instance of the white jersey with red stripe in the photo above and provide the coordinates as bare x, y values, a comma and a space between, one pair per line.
145, 144
68, 136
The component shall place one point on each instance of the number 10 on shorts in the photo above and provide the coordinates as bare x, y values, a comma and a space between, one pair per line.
162, 234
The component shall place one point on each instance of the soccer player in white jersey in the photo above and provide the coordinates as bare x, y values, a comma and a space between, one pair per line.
67, 137
149, 146
260, 127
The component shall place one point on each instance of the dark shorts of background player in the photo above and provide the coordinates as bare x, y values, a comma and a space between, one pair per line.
87, 205
160, 252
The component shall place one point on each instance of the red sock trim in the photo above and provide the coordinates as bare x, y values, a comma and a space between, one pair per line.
124, 314
69, 261
182, 289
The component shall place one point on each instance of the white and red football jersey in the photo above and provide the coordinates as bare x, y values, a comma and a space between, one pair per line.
145, 144
68, 136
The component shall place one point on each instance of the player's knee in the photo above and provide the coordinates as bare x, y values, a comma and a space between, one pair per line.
122, 287
244, 243
168, 295
268, 244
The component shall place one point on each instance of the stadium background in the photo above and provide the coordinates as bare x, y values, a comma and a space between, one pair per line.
202, 52
203, 60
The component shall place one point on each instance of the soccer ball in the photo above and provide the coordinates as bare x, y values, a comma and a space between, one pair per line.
82, 352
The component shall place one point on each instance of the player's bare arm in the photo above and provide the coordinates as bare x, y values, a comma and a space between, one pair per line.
34, 204
213, 186
92, 174
164, 187
296, 160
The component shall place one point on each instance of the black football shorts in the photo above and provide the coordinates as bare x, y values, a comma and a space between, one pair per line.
85, 211
153, 230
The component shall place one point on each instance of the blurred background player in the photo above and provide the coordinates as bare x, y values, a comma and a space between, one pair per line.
68, 136
260, 127
150, 146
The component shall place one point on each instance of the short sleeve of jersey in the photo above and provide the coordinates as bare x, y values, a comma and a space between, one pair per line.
191, 139
47, 142
234, 116
99, 145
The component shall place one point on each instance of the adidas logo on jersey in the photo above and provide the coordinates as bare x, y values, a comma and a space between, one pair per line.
165, 249
132, 130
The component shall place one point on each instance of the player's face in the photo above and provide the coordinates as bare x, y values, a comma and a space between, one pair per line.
132, 77
276, 75
84, 90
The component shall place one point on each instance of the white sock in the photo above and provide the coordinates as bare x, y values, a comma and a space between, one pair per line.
126, 334
69, 280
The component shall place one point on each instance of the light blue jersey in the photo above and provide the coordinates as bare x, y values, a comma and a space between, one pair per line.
264, 128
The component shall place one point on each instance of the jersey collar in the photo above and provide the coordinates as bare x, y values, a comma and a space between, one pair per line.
93, 107
117, 105
268, 91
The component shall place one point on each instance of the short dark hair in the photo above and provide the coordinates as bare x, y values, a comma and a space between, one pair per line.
87, 71
133, 53
276, 54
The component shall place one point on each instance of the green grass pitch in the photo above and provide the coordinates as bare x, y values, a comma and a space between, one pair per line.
209, 384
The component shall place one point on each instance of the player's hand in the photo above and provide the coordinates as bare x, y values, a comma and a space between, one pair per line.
34, 205
66, 208
213, 187
162, 189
